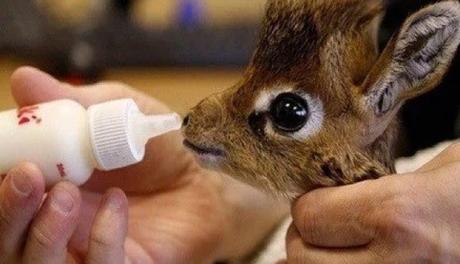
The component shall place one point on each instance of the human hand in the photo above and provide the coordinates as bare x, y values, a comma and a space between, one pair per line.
411, 218
176, 212
31, 232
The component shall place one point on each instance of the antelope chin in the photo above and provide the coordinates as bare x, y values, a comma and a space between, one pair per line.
207, 156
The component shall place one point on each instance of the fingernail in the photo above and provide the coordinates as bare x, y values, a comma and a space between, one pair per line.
62, 201
21, 184
112, 202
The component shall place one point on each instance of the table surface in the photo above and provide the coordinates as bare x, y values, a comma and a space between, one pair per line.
179, 88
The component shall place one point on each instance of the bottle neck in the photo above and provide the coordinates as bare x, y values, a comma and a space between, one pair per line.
119, 132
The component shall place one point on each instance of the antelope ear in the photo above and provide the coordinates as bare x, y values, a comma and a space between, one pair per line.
416, 59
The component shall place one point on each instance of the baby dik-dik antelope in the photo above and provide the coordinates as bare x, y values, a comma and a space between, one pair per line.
318, 104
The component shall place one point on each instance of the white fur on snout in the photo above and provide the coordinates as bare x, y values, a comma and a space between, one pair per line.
315, 107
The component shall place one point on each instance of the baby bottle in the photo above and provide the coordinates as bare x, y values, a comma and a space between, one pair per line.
67, 142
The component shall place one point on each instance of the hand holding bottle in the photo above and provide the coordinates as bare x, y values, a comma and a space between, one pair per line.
178, 212
90, 225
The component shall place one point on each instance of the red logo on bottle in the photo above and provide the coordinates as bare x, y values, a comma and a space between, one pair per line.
28, 114
61, 169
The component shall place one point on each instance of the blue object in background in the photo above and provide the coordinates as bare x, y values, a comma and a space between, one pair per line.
190, 13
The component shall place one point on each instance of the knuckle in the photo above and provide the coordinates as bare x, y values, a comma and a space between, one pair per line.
42, 238
308, 225
5, 224
397, 218
100, 239
307, 217
101, 246
4, 248
5, 218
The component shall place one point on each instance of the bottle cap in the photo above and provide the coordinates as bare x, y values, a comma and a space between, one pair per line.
119, 132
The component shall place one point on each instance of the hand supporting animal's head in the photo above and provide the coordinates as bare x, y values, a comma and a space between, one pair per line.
317, 104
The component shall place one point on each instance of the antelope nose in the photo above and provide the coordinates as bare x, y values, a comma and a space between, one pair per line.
186, 120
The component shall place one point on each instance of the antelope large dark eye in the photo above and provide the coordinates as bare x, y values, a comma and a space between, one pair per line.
289, 112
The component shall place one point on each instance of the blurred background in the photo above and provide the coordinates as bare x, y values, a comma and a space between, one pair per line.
178, 51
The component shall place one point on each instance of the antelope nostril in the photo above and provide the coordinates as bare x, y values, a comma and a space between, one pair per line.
186, 120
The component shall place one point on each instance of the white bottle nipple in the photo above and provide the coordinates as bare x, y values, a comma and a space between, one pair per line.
143, 127
119, 132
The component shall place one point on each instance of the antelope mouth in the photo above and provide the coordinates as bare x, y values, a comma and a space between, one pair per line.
203, 151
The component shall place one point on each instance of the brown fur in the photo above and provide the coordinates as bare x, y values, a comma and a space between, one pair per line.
324, 48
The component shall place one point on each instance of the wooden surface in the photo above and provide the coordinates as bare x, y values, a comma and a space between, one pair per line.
179, 88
